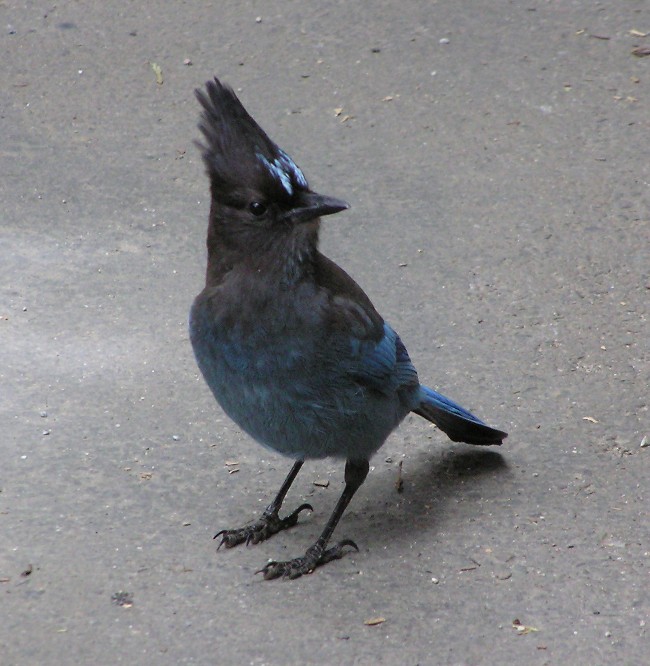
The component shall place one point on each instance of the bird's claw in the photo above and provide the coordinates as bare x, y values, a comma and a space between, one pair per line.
315, 557
268, 525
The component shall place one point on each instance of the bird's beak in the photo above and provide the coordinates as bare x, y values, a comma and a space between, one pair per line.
313, 205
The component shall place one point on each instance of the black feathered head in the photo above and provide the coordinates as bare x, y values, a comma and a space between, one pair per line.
237, 150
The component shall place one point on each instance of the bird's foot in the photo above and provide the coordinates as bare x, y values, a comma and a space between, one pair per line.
315, 556
269, 524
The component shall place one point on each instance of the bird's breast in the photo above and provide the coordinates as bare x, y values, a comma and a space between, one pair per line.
251, 349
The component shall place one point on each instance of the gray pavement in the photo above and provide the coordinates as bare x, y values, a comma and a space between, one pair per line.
496, 158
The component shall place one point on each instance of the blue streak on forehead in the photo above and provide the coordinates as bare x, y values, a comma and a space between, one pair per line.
293, 169
276, 169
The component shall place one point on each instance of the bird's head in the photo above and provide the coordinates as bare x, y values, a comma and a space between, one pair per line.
256, 187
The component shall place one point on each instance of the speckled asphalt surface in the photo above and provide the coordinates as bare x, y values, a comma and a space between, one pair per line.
496, 160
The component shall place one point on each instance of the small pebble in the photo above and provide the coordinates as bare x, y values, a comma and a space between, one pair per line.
444, 40
43, 415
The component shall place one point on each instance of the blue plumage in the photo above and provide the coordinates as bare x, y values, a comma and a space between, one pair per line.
291, 347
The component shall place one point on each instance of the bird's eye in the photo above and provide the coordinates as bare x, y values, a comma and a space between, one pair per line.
258, 209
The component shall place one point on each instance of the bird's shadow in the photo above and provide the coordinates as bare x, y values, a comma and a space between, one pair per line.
433, 488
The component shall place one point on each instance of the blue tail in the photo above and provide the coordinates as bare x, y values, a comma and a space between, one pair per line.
455, 421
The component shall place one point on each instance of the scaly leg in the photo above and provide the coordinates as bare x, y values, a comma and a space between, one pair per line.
317, 555
270, 522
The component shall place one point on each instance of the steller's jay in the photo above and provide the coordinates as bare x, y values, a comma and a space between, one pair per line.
291, 347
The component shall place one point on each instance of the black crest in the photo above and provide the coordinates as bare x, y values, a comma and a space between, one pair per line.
237, 150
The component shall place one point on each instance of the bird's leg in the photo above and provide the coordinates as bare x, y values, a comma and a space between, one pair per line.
270, 522
318, 554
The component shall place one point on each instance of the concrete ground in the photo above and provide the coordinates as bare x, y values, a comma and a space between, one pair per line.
495, 155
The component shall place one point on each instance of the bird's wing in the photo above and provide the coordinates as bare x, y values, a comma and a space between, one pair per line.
385, 365
378, 358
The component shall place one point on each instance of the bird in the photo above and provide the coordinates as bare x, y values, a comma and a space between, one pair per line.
290, 345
